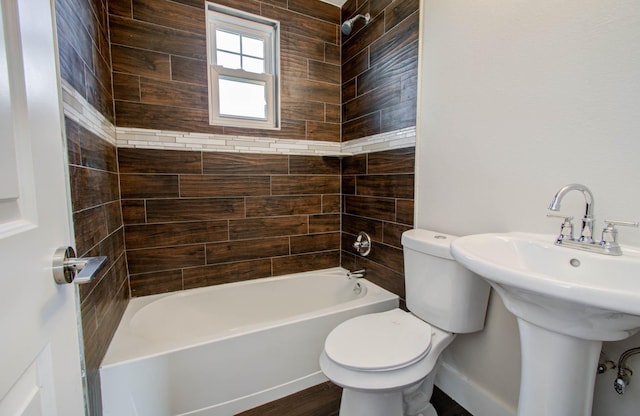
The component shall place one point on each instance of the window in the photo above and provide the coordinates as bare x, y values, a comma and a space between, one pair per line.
243, 56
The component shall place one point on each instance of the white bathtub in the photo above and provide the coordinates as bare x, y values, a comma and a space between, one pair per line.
220, 350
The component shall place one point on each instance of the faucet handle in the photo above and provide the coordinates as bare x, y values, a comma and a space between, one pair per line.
610, 234
566, 229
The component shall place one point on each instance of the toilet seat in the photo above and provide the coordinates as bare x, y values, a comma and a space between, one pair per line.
379, 342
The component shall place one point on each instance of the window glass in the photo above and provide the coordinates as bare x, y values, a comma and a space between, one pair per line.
242, 99
243, 55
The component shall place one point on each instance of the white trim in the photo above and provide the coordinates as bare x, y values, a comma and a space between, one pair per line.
470, 395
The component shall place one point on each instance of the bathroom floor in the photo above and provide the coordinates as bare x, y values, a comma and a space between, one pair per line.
324, 400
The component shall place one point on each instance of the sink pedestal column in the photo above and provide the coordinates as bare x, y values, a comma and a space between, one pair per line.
558, 372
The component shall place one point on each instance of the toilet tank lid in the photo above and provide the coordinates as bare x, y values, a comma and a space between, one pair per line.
429, 242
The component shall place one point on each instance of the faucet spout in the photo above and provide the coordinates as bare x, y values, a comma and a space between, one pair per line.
588, 197
586, 234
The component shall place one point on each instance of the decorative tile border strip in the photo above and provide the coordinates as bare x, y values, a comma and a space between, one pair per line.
79, 110
397, 139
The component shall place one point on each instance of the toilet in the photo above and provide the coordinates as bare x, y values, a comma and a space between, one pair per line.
386, 362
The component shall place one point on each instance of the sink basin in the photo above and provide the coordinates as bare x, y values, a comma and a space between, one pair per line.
587, 295
566, 302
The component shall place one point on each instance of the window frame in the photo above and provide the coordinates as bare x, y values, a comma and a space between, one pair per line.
257, 27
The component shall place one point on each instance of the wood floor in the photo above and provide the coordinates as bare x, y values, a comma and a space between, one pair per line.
324, 400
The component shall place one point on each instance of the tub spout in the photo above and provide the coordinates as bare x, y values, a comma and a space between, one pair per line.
357, 274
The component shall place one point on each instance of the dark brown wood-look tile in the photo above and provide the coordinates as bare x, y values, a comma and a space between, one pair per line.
148, 186
354, 165
315, 242
348, 185
332, 53
141, 62
333, 113
401, 9
352, 225
372, 31
366, 125
392, 233
176, 210
392, 280
303, 110
302, 25
154, 283
404, 214
398, 116
173, 234
387, 256
251, 6
137, 34
372, 207
305, 262
323, 11
126, 87
226, 273
331, 203
90, 227
320, 400
401, 35
320, 91
324, 223
159, 161
223, 186
120, 8
230, 251
320, 71
174, 94
189, 70
104, 186
389, 70
314, 165
301, 46
113, 212
215, 163
355, 65
389, 186
72, 132
383, 96
161, 117
320, 131
170, 14
133, 211
167, 258
392, 161
305, 184
251, 228
267, 206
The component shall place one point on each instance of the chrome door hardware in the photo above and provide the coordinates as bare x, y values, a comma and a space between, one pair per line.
363, 244
67, 268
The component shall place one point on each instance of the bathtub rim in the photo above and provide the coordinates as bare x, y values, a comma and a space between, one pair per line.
374, 294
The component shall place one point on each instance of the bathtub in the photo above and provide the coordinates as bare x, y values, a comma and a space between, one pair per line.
220, 350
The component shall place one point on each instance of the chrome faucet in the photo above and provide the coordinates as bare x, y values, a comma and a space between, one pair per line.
357, 274
586, 233
608, 244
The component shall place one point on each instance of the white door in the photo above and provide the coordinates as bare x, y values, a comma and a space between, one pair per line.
40, 371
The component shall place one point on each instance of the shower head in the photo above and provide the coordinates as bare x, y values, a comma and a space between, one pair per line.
347, 26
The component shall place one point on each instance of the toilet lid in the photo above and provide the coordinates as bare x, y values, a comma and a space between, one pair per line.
379, 341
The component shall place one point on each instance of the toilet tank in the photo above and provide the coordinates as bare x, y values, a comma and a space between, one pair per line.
438, 289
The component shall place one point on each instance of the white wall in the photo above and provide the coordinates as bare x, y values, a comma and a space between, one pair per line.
518, 98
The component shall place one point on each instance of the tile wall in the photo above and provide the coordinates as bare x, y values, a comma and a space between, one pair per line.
84, 53
160, 68
379, 68
202, 218
378, 194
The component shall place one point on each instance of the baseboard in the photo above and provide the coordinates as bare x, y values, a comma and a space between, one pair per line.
470, 395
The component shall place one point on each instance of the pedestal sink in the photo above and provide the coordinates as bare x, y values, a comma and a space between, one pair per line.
567, 303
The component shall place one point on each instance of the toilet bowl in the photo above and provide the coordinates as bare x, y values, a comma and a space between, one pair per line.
378, 358
386, 362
